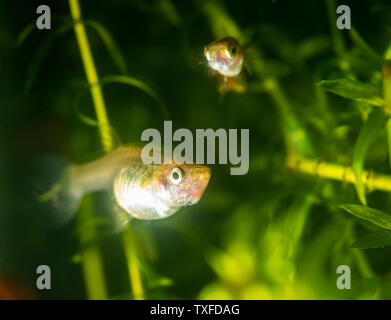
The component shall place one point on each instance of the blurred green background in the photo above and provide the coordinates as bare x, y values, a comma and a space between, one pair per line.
270, 234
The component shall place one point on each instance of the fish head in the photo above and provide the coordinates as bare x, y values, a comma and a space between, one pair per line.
183, 184
225, 56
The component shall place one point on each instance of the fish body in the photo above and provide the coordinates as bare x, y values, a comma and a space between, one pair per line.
144, 191
158, 191
225, 56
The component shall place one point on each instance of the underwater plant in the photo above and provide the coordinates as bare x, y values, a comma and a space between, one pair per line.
315, 99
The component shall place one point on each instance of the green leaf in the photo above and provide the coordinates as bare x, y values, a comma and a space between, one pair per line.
109, 43
161, 282
377, 239
169, 11
375, 216
140, 85
312, 47
221, 22
354, 90
25, 33
369, 133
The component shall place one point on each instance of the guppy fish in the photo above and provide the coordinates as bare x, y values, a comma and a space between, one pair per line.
225, 56
144, 191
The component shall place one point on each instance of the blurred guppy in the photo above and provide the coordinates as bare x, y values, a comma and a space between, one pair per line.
144, 191
225, 56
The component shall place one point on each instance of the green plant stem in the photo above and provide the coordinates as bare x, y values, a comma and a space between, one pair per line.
360, 42
361, 259
387, 100
338, 43
91, 257
388, 135
107, 141
387, 55
133, 263
371, 180
337, 38
295, 137
92, 76
92, 263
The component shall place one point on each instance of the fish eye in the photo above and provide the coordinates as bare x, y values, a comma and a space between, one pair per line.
233, 50
176, 175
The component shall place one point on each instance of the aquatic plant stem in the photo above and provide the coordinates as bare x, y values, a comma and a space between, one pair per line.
338, 43
92, 263
92, 76
361, 259
373, 181
296, 138
387, 100
91, 256
133, 263
388, 135
337, 38
107, 141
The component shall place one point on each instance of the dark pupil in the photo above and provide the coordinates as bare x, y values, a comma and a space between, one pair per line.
233, 50
175, 175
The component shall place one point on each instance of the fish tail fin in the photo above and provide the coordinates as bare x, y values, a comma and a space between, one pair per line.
53, 191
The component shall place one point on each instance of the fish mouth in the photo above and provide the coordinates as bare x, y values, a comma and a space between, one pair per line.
203, 175
183, 203
192, 202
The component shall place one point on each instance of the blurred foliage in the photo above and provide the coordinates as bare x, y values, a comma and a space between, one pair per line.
271, 234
